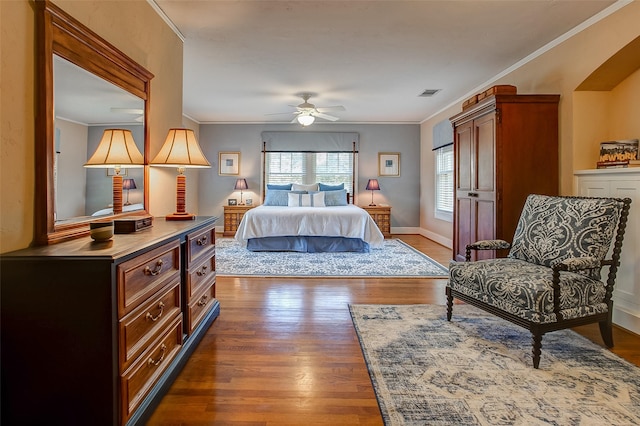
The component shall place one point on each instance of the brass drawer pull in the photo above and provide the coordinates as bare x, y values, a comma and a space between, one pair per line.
156, 270
202, 272
203, 300
202, 241
151, 317
163, 350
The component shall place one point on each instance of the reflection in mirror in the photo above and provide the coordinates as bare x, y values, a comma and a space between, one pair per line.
85, 105
59, 35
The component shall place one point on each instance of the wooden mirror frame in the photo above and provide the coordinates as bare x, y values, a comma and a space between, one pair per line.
57, 33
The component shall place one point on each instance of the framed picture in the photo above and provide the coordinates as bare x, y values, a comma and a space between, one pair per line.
232, 201
389, 164
228, 163
249, 201
619, 150
112, 172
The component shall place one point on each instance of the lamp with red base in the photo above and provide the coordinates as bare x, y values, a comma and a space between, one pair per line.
181, 150
116, 150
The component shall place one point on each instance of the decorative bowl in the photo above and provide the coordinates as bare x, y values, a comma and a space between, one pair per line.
101, 231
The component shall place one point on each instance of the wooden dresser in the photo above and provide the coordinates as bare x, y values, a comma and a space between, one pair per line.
96, 332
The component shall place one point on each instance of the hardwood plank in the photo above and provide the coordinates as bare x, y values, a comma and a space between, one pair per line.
284, 351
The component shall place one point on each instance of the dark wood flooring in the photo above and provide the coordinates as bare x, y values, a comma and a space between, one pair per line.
284, 351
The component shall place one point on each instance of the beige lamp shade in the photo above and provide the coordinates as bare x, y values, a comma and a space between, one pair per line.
116, 149
181, 149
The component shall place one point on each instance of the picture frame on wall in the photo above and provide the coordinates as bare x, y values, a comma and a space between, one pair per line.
228, 163
389, 164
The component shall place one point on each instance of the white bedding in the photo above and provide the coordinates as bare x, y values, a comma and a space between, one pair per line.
337, 221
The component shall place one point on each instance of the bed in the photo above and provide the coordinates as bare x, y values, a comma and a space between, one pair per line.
308, 225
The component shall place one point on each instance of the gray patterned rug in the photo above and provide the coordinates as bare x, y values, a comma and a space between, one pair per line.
476, 370
395, 259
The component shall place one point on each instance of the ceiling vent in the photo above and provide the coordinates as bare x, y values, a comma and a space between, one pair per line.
429, 92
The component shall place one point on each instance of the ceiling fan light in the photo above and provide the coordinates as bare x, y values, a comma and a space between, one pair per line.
306, 120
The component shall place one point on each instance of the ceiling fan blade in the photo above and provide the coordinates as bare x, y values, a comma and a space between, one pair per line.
282, 113
324, 116
331, 108
295, 119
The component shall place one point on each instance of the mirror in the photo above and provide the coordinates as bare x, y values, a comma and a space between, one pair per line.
85, 106
85, 85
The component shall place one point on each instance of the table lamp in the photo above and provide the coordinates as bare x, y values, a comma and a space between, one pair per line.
373, 185
181, 150
241, 184
128, 184
116, 149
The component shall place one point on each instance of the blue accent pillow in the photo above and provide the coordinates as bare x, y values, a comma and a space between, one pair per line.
286, 187
335, 198
279, 197
324, 187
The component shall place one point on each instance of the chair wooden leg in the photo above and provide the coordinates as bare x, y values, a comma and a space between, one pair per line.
537, 346
606, 332
449, 304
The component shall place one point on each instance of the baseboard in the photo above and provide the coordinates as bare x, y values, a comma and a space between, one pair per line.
448, 243
405, 230
626, 319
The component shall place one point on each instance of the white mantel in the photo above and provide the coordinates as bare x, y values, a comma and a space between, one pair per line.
621, 183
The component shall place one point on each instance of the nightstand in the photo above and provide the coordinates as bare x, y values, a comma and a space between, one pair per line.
381, 215
232, 217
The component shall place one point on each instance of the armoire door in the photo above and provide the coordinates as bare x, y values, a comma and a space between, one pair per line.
464, 210
475, 214
484, 185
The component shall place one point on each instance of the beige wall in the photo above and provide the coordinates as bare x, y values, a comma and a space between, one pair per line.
133, 27
603, 116
624, 116
559, 71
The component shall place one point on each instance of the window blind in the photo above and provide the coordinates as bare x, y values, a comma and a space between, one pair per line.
331, 168
444, 180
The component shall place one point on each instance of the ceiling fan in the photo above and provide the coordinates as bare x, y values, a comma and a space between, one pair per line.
306, 112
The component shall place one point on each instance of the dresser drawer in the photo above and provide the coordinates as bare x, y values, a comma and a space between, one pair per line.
200, 243
143, 275
199, 277
199, 307
142, 325
145, 372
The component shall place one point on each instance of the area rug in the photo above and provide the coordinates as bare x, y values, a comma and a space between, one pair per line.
395, 259
477, 370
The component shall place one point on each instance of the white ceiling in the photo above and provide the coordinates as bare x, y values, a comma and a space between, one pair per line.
244, 59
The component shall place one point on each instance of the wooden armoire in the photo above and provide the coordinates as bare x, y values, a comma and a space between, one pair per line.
505, 147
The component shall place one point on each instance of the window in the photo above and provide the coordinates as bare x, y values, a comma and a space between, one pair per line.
331, 168
444, 183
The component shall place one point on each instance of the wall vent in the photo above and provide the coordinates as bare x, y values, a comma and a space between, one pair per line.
429, 92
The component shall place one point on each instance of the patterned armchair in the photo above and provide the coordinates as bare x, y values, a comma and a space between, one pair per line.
550, 280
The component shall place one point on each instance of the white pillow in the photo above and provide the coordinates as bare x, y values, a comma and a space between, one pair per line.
300, 187
306, 200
